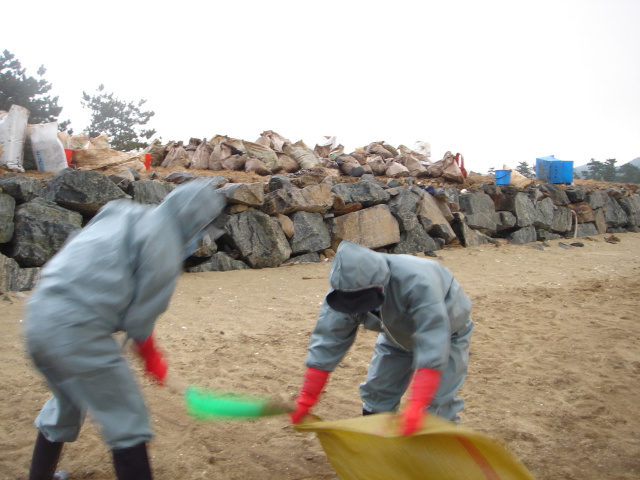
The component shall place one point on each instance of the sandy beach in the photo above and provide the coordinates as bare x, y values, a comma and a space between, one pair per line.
554, 370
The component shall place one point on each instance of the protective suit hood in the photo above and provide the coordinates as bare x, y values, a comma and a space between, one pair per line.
357, 268
193, 206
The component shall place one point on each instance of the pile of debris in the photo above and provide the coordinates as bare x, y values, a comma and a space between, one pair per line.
272, 154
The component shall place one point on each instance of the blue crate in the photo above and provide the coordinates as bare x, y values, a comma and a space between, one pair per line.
551, 170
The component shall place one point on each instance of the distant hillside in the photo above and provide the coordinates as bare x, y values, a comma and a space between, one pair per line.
635, 162
583, 168
580, 169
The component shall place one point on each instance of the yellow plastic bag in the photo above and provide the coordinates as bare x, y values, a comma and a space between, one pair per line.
369, 448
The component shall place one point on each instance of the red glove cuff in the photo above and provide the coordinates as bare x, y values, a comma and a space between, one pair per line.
146, 347
424, 386
314, 382
154, 362
423, 389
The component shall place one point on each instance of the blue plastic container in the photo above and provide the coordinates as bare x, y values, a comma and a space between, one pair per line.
551, 170
503, 177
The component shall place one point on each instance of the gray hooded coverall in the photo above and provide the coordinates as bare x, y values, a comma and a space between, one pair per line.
424, 323
117, 274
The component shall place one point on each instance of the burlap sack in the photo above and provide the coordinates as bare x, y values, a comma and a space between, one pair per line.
107, 159
303, 155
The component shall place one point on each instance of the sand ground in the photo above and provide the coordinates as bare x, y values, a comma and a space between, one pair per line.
554, 369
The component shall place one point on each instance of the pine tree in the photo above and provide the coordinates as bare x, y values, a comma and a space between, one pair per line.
609, 170
629, 173
595, 170
16, 88
524, 169
119, 119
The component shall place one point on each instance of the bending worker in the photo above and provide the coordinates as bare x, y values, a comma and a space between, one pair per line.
422, 315
116, 275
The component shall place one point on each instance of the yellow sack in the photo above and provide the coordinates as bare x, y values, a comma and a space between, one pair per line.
369, 448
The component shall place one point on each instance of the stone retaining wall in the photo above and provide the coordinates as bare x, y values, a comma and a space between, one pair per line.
303, 217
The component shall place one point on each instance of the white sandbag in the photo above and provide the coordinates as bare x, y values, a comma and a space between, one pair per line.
13, 131
328, 141
48, 150
423, 148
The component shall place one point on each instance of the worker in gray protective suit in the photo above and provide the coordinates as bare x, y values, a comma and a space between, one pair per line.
116, 275
422, 315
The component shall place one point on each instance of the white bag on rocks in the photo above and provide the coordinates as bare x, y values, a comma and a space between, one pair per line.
423, 148
13, 130
48, 150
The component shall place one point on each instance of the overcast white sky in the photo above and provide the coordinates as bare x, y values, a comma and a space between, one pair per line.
500, 81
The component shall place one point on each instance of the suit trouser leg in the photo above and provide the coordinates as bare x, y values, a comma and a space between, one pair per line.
391, 369
446, 403
388, 377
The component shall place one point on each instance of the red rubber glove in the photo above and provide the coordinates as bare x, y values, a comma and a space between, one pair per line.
154, 362
314, 382
423, 388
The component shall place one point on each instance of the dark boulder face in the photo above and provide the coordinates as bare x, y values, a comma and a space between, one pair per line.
310, 233
82, 191
259, 238
7, 210
365, 193
22, 189
41, 228
149, 192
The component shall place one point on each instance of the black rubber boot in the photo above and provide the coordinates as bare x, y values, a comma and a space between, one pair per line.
45, 458
132, 463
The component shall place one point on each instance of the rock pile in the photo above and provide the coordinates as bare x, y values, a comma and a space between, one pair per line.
273, 154
303, 216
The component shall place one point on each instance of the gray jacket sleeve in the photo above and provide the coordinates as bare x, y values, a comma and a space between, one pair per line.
424, 299
432, 336
438, 310
332, 337
157, 268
